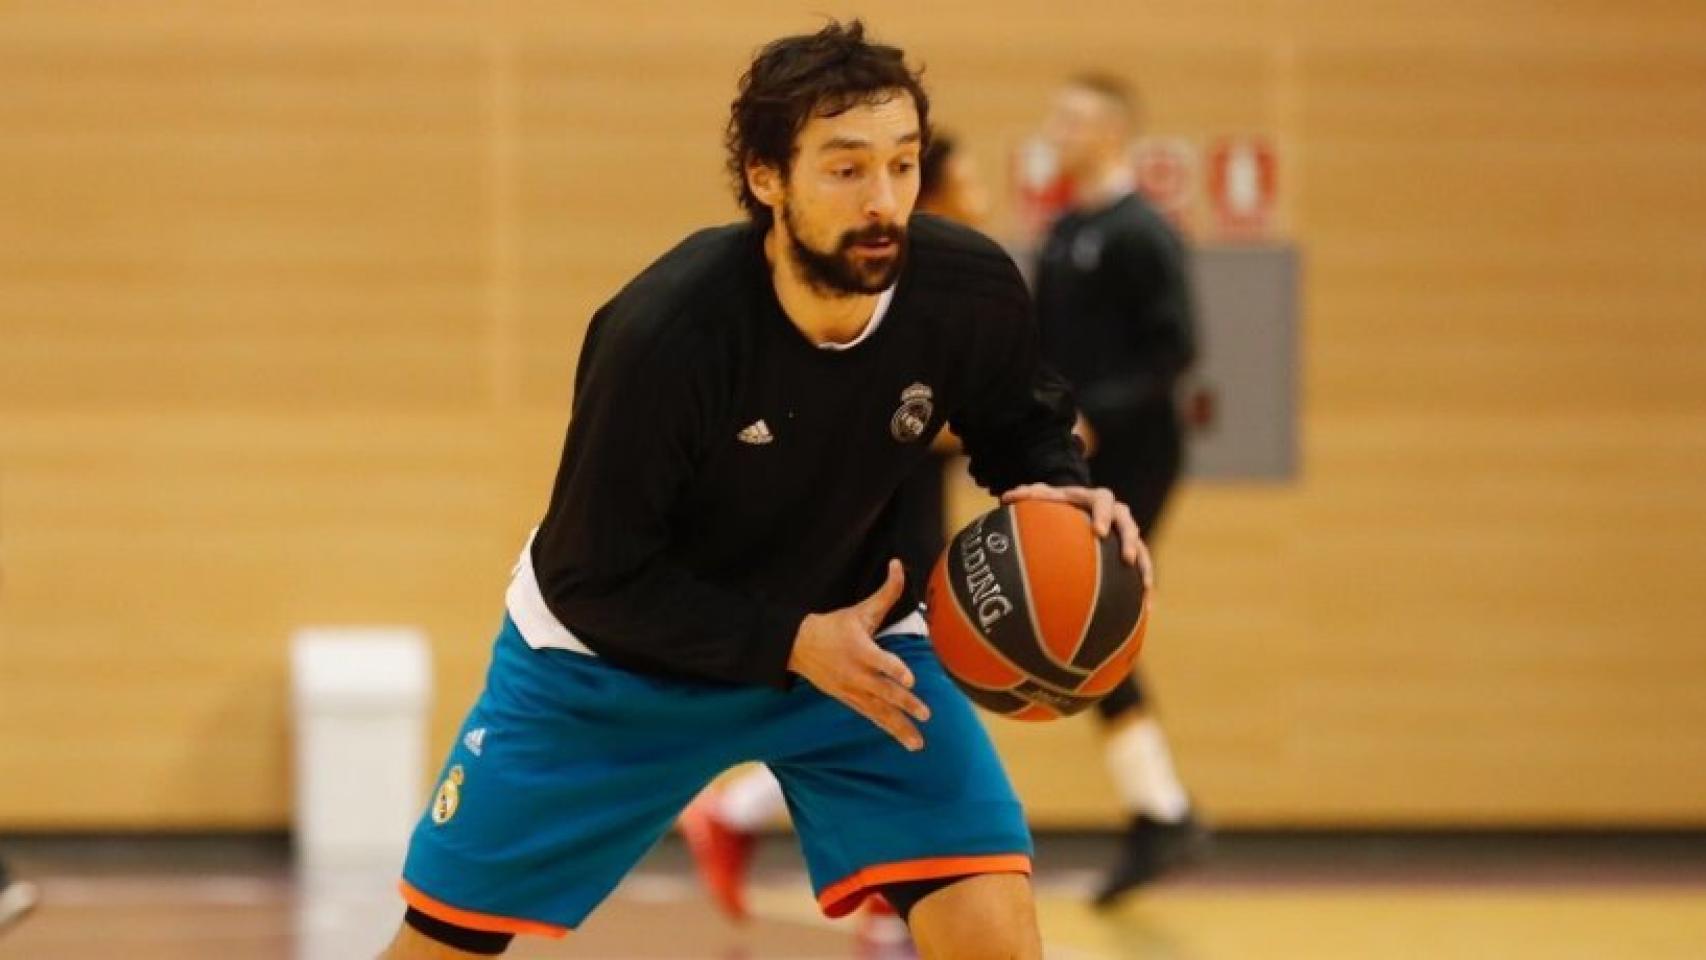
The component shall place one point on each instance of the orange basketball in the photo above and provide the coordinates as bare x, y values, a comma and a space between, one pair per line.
1033, 615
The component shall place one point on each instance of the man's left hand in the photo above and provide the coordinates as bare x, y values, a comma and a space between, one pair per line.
1106, 513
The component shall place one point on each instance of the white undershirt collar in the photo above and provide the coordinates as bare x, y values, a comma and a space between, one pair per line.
870, 326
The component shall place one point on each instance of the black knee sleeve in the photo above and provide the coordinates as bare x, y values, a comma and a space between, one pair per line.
482, 942
905, 894
1126, 696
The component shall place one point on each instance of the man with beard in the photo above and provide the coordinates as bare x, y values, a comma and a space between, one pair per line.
722, 825
713, 581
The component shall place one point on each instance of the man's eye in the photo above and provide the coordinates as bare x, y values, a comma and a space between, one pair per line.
845, 173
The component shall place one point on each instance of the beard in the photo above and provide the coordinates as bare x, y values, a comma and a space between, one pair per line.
843, 271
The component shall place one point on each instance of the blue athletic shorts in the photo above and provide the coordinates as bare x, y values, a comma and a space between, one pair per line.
569, 769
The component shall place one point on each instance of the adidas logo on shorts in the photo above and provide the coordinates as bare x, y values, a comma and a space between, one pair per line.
475, 741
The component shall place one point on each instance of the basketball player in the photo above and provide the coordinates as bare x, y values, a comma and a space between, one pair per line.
1116, 318
721, 826
712, 582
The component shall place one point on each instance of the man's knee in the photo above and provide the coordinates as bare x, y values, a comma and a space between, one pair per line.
986, 917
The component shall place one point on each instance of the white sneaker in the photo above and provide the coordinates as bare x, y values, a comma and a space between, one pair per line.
16, 899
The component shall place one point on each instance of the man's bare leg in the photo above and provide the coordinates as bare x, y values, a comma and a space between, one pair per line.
988, 917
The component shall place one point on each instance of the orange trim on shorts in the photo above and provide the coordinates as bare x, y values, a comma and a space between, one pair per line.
839, 898
490, 923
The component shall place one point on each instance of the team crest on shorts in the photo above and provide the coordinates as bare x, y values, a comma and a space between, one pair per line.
910, 421
449, 797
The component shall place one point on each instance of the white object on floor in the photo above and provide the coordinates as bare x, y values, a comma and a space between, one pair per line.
360, 697
16, 899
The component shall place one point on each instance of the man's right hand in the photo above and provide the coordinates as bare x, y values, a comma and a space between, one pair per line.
837, 653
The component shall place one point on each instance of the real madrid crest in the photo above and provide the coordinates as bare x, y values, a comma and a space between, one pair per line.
449, 796
913, 417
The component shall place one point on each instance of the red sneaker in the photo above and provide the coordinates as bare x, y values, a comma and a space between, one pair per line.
722, 854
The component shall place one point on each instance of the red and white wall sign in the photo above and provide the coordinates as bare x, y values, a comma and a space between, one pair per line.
1230, 191
1243, 186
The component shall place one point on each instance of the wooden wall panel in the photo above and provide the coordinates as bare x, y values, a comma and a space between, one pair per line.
196, 224
290, 296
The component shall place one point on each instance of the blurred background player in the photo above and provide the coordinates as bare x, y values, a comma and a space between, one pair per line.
1115, 313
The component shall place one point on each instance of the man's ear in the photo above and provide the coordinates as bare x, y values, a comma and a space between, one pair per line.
765, 182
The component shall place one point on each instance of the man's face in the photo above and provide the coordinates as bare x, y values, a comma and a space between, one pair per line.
849, 191
1084, 128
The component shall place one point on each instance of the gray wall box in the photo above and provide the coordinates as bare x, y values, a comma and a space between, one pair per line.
1247, 320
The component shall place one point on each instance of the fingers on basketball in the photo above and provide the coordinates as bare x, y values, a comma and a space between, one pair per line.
1102, 510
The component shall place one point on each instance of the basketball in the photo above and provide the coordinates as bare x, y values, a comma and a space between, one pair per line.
1032, 614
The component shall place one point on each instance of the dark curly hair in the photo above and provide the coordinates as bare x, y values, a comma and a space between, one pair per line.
794, 79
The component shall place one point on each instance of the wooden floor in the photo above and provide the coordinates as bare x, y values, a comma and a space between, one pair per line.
1319, 905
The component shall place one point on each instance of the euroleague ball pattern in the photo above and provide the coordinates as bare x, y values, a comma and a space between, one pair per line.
1032, 614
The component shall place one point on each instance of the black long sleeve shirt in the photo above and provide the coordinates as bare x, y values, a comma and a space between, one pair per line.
722, 476
1115, 312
